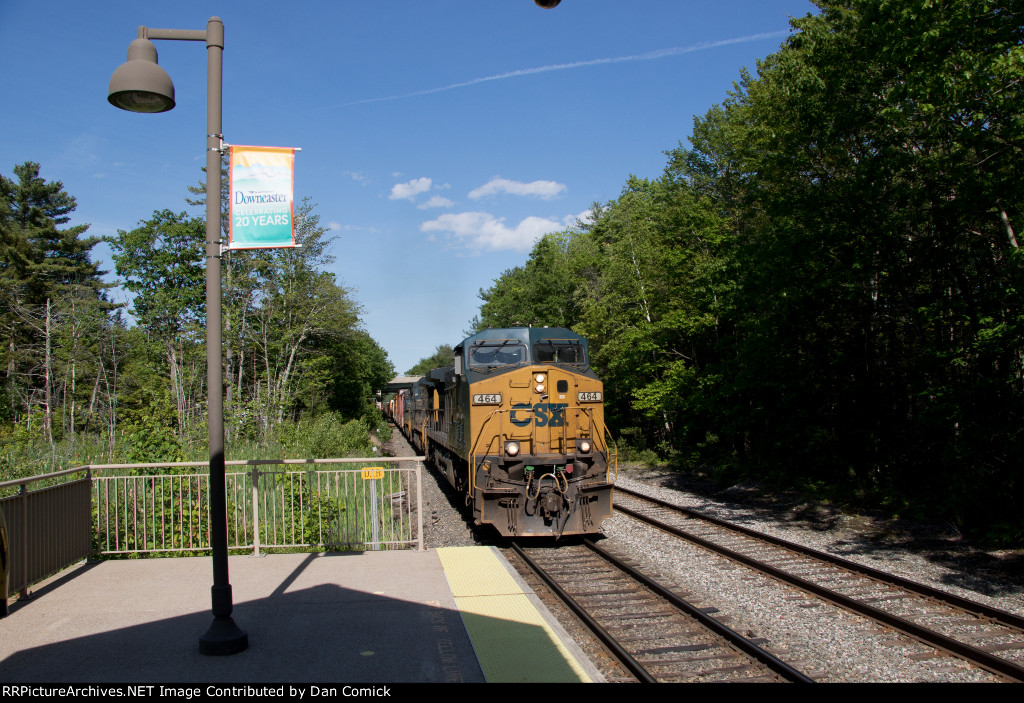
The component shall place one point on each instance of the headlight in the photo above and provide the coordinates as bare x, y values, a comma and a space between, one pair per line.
539, 378
584, 446
539, 388
512, 448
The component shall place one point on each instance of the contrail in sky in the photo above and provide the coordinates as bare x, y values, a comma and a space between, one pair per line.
649, 56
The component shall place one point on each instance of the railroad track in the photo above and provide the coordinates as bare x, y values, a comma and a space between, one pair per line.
655, 634
986, 637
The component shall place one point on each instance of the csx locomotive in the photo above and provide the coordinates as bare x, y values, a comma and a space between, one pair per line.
517, 426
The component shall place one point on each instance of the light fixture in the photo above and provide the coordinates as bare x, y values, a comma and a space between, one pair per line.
139, 84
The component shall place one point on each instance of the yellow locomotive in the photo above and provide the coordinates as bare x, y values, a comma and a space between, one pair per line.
517, 426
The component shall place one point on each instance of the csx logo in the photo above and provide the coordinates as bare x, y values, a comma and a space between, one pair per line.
544, 414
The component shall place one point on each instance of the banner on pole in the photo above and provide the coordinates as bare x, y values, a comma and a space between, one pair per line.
261, 182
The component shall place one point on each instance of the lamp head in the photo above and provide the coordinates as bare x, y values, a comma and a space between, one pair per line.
547, 4
139, 84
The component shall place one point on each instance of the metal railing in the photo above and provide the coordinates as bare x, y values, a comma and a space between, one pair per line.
47, 529
274, 504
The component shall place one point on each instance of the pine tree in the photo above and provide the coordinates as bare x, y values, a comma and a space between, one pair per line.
48, 285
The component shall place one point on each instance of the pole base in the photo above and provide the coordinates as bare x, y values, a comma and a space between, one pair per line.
223, 638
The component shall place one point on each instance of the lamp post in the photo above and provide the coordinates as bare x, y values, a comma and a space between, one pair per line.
140, 85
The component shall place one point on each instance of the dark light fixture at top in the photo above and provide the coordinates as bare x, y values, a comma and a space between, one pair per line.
139, 84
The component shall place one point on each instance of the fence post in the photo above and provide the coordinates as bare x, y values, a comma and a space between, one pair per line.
23, 593
419, 506
373, 513
256, 510
94, 546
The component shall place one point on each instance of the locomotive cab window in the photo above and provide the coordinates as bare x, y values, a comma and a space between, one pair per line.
559, 352
493, 354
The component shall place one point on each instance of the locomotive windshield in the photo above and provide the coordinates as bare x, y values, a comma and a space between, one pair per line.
560, 351
489, 355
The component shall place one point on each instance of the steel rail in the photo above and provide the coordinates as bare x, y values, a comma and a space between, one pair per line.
1000, 616
627, 660
949, 645
736, 639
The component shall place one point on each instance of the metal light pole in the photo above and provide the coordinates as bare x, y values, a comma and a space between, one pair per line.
140, 85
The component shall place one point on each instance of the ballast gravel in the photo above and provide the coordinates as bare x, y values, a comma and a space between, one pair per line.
823, 641
826, 642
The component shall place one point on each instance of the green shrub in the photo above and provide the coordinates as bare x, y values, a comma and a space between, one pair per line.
329, 437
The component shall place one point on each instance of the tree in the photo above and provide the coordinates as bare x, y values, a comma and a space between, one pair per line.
300, 309
443, 356
869, 173
49, 285
549, 290
161, 264
360, 368
37, 253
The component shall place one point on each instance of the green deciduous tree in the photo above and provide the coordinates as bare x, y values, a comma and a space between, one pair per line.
161, 264
443, 356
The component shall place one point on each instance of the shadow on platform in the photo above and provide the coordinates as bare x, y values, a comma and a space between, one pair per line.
349, 618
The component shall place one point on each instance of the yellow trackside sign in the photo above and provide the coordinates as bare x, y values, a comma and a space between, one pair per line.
373, 472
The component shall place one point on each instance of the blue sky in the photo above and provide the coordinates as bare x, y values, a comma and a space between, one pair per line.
439, 138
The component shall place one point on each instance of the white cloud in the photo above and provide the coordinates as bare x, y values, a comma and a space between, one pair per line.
334, 226
546, 190
436, 201
482, 230
585, 217
408, 191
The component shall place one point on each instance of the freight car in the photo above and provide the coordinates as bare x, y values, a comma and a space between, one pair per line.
516, 425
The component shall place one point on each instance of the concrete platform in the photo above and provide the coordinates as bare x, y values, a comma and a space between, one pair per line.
360, 617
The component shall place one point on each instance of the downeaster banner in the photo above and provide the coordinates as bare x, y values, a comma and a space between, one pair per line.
261, 183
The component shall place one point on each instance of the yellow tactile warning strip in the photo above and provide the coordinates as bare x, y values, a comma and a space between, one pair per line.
513, 643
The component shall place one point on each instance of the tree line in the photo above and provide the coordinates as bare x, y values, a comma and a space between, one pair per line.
825, 287
83, 376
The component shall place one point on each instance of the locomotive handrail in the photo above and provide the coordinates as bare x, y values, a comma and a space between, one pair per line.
616, 452
472, 451
423, 433
589, 412
610, 447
